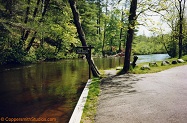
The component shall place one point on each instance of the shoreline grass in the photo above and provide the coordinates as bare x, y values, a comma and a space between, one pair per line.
158, 68
90, 107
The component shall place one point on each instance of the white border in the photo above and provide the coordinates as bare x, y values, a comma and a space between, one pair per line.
77, 113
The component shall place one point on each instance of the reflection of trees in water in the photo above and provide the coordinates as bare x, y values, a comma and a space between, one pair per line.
47, 86
107, 63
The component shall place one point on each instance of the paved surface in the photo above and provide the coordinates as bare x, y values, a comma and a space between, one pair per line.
149, 98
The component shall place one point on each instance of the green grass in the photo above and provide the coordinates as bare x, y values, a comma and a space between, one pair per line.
90, 107
159, 68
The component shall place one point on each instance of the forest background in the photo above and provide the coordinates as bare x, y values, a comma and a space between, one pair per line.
38, 30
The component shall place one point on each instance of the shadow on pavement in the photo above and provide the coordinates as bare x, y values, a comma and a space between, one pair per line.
113, 86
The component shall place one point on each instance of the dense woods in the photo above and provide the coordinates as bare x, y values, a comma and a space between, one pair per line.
38, 30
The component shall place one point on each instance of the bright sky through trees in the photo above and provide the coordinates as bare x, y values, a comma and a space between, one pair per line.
153, 26
150, 25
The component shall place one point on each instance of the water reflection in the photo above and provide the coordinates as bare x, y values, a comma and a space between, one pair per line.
42, 90
107, 63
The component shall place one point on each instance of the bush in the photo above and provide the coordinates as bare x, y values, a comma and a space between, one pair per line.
13, 56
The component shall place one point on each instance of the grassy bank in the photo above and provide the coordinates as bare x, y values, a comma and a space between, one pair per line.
90, 107
158, 68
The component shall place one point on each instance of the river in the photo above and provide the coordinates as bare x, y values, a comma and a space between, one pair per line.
50, 89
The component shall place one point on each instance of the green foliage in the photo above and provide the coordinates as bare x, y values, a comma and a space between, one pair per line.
12, 56
88, 14
148, 45
43, 36
102, 27
16, 23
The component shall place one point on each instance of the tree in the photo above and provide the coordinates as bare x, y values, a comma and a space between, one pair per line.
121, 31
170, 17
185, 37
104, 29
29, 31
81, 35
44, 10
130, 34
181, 9
174, 17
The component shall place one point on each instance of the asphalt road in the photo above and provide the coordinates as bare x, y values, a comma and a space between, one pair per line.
145, 98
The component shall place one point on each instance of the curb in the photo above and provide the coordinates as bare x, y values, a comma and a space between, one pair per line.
77, 113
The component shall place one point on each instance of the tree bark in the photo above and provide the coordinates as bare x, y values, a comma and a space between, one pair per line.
36, 9
104, 34
46, 4
180, 33
81, 35
104, 37
121, 32
27, 12
130, 34
99, 18
181, 11
25, 33
180, 38
31, 42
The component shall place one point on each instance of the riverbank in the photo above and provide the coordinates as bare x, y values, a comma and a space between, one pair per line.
159, 67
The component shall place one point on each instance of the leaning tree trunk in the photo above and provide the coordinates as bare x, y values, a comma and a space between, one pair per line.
130, 34
81, 35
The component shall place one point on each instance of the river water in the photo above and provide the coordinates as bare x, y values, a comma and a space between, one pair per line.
50, 89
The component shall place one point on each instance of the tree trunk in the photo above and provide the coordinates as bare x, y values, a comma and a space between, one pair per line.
121, 32
81, 35
31, 42
181, 11
27, 12
25, 33
130, 34
36, 9
99, 18
46, 4
104, 37
165, 46
180, 37
104, 34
